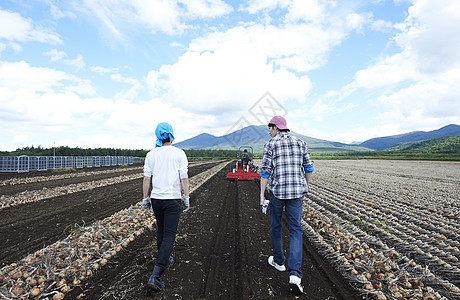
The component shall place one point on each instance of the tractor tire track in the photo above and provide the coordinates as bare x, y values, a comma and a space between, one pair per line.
225, 253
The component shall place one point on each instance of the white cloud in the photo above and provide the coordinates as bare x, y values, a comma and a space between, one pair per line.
425, 104
430, 35
57, 55
77, 62
104, 70
82, 87
301, 47
417, 87
206, 8
42, 95
165, 16
229, 71
382, 25
357, 21
14, 27
305, 10
254, 6
21, 76
391, 70
176, 45
46, 105
132, 92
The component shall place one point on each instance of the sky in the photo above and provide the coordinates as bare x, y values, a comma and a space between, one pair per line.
104, 73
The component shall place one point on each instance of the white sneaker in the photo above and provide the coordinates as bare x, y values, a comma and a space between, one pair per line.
294, 285
272, 263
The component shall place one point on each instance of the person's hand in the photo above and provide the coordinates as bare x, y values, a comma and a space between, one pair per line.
185, 204
262, 199
146, 204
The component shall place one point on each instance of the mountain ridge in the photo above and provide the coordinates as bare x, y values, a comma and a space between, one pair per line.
381, 143
257, 135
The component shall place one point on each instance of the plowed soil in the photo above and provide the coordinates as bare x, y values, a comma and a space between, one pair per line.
29, 227
221, 249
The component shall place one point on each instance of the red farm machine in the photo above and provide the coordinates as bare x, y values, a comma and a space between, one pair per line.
245, 168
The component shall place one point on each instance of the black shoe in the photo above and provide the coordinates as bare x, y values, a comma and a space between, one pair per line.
155, 282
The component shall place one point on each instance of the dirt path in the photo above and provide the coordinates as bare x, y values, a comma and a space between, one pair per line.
29, 227
221, 252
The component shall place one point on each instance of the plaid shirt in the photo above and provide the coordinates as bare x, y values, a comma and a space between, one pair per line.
285, 158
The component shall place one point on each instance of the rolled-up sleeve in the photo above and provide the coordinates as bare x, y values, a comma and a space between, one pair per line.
266, 168
147, 168
309, 169
183, 167
265, 175
307, 161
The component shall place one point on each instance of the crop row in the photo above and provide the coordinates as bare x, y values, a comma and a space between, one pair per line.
373, 268
393, 236
54, 270
45, 193
32, 179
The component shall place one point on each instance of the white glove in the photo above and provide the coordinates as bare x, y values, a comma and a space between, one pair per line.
265, 206
146, 204
185, 204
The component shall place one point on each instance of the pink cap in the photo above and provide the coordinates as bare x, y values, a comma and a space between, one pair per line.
280, 122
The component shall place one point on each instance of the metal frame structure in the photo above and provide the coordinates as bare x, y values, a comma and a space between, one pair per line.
26, 163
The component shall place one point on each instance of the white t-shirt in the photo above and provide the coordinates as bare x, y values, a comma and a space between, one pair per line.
166, 165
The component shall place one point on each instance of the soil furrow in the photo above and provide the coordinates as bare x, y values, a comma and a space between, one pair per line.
224, 274
15, 189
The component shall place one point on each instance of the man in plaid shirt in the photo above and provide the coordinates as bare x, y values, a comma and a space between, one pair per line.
286, 161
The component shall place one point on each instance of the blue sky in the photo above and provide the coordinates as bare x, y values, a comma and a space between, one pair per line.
105, 73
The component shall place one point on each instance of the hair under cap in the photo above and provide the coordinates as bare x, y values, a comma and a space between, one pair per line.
280, 122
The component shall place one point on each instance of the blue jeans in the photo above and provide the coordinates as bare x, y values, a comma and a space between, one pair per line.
293, 211
167, 213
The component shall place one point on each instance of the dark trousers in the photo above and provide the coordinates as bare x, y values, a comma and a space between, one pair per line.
167, 213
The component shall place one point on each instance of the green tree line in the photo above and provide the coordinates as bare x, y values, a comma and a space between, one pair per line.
76, 151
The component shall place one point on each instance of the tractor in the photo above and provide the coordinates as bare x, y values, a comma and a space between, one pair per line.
244, 168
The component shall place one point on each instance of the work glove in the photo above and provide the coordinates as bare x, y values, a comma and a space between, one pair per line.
265, 206
185, 204
146, 204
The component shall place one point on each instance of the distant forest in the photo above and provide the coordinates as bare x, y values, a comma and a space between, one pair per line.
68, 151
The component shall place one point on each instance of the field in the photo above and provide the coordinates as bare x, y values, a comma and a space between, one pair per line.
373, 229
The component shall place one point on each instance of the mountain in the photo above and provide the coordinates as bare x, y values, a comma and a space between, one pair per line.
200, 141
447, 144
256, 137
381, 143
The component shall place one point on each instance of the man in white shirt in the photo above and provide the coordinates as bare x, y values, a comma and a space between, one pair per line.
165, 170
